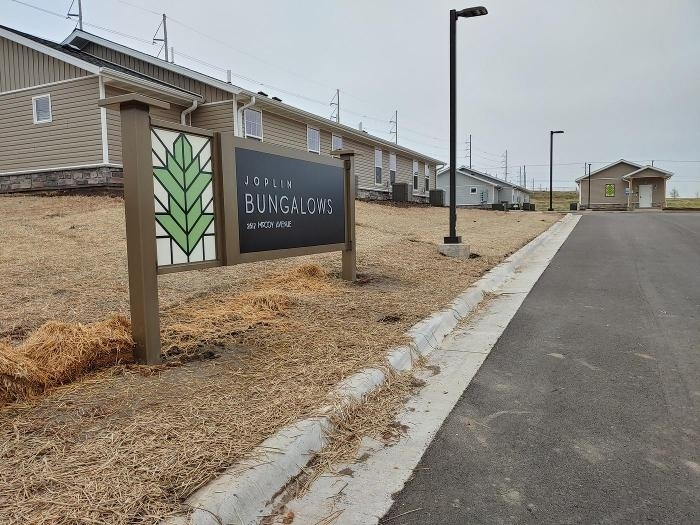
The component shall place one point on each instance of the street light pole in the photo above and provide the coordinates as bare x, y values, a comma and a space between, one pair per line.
454, 15
551, 156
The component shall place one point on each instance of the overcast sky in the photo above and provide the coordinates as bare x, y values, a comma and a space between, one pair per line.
620, 77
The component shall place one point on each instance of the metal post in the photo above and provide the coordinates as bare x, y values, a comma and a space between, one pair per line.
349, 268
589, 185
80, 14
337, 116
551, 145
140, 230
452, 238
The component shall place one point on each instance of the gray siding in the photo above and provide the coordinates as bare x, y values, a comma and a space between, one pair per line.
72, 138
210, 93
463, 189
22, 67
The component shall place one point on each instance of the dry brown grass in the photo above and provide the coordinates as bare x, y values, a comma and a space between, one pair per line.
121, 446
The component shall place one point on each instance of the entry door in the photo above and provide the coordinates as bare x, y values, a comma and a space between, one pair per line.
645, 191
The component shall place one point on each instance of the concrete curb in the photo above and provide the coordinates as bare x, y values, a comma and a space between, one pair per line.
241, 495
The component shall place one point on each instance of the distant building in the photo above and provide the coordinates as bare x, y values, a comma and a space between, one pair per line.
54, 135
624, 185
476, 189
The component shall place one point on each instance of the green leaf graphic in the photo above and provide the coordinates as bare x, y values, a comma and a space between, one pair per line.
185, 181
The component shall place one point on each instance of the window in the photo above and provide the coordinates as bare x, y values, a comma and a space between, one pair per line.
41, 107
415, 175
313, 140
253, 124
472, 190
336, 142
609, 190
377, 166
392, 167
427, 178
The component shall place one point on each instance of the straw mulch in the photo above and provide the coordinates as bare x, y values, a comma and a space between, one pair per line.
58, 353
124, 446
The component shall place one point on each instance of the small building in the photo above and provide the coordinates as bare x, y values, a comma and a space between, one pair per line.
477, 189
55, 136
624, 185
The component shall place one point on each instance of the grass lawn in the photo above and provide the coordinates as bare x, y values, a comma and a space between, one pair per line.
560, 200
682, 203
127, 444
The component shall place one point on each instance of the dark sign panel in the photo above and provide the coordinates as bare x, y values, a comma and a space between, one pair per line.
286, 202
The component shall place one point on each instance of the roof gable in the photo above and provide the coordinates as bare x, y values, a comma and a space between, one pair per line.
80, 39
640, 172
633, 165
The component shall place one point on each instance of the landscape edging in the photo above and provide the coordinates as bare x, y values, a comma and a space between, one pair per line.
241, 494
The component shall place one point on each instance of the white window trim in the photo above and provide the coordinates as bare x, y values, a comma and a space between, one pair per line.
245, 129
392, 155
334, 136
415, 177
426, 178
381, 161
308, 145
473, 190
50, 119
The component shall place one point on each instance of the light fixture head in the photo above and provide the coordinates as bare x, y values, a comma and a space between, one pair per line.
558, 131
472, 11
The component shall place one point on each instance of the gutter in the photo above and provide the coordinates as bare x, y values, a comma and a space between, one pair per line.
239, 114
172, 92
183, 115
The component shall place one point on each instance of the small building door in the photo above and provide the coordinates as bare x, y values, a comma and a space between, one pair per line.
645, 191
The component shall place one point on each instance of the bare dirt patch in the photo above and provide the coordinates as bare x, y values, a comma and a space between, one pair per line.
127, 444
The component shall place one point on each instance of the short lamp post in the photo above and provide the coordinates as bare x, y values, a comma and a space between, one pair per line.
551, 156
454, 15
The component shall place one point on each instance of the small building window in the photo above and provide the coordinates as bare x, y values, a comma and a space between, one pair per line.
252, 119
313, 140
609, 190
472, 190
336, 142
415, 175
377, 166
427, 178
41, 106
392, 168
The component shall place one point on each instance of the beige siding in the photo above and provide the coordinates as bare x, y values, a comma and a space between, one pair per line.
611, 175
210, 93
72, 138
283, 131
364, 163
22, 67
216, 117
404, 167
114, 129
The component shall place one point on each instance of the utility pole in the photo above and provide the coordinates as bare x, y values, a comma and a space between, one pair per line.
395, 122
524, 178
470, 151
79, 14
164, 23
172, 55
335, 102
506, 172
520, 175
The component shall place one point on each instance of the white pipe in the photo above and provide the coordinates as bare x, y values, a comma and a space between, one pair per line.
240, 114
183, 115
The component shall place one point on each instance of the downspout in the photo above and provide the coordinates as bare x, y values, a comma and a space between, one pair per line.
183, 115
240, 114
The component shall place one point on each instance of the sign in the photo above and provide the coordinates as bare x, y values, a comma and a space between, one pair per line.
183, 196
627, 191
286, 202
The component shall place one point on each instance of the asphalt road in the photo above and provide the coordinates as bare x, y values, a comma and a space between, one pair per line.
587, 409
